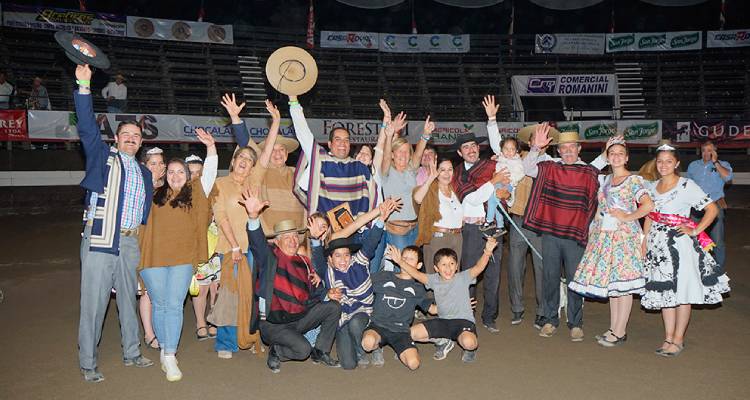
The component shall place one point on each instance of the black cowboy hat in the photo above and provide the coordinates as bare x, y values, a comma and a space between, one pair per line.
469, 137
81, 51
340, 244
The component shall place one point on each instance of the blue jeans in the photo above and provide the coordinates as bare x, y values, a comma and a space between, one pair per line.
167, 287
377, 259
716, 231
226, 336
493, 214
400, 242
349, 340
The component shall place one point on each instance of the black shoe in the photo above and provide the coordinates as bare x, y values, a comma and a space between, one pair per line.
538, 322
517, 318
273, 362
318, 357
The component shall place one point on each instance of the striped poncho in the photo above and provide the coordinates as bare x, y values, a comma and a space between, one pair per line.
355, 285
563, 200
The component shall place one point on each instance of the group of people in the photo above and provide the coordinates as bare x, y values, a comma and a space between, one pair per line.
343, 250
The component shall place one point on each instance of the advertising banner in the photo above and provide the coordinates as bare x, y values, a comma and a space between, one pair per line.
654, 41
697, 131
635, 131
13, 125
181, 31
564, 85
63, 19
736, 38
569, 43
350, 40
396, 43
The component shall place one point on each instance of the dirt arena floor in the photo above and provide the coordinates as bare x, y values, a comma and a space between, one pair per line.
39, 275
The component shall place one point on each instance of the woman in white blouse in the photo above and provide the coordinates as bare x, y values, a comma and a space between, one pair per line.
440, 213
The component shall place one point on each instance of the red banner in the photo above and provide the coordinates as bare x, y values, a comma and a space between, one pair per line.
13, 125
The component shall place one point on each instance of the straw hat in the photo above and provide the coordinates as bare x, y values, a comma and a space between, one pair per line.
291, 70
524, 134
285, 226
568, 137
288, 143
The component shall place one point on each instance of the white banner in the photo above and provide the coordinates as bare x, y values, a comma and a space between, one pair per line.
62, 19
737, 38
60, 125
349, 40
395, 43
654, 41
570, 43
182, 31
564, 85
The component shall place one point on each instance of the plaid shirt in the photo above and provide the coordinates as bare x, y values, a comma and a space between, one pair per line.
134, 193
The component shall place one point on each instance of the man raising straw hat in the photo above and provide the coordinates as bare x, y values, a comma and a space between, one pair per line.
566, 180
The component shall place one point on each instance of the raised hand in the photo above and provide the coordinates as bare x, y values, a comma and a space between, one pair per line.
273, 110
252, 202
396, 125
541, 136
490, 245
490, 108
429, 127
317, 227
393, 253
433, 171
205, 137
229, 102
386, 111
83, 72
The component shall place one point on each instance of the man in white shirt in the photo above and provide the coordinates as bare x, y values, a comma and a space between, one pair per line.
116, 94
6, 92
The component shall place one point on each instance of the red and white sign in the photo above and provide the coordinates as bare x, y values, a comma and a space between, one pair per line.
13, 125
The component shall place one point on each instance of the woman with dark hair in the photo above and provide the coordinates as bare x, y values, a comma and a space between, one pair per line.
173, 244
679, 270
612, 264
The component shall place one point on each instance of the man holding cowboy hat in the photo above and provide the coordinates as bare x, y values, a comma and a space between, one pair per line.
116, 94
566, 180
474, 182
288, 292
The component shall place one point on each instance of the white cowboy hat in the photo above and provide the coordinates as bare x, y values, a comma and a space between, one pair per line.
291, 70
285, 226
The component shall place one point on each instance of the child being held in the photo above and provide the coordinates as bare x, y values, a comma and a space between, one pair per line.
397, 295
510, 160
455, 315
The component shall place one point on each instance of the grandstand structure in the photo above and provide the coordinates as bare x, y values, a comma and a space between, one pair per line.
167, 77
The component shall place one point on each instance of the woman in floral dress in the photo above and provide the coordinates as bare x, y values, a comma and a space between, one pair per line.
612, 265
679, 270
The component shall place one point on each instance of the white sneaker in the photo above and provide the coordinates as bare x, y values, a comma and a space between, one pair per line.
171, 369
225, 354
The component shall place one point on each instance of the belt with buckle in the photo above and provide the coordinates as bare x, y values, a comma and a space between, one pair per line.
129, 232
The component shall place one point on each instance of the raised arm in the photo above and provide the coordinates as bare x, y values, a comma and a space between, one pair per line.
302, 130
416, 158
421, 191
211, 164
490, 108
377, 157
413, 270
391, 130
540, 140
88, 130
481, 264
371, 242
364, 219
273, 133
239, 130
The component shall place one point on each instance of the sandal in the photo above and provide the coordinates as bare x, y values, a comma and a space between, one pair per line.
618, 340
211, 335
150, 343
672, 354
603, 335
199, 336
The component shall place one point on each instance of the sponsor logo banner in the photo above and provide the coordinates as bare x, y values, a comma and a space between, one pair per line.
61, 125
13, 125
697, 131
63, 19
736, 38
654, 41
181, 31
564, 85
350, 40
565, 43
395, 43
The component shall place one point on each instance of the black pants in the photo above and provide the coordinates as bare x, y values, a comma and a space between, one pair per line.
292, 345
473, 247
